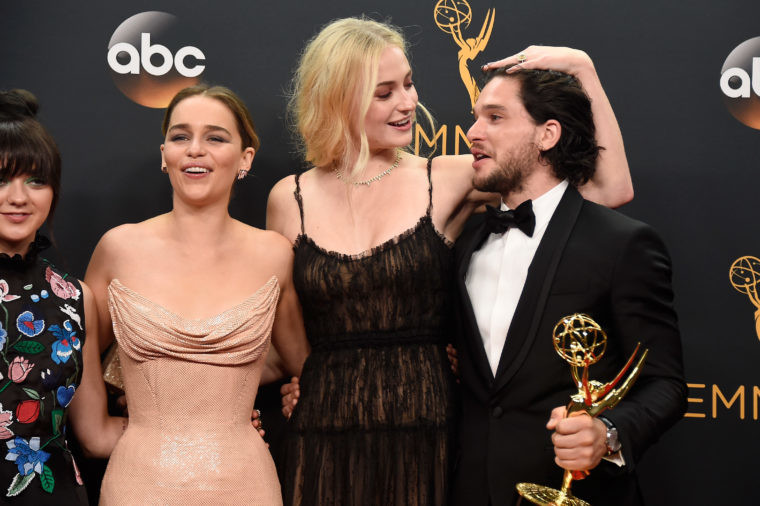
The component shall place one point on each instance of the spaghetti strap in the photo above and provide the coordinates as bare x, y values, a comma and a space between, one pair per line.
299, 199
430, 188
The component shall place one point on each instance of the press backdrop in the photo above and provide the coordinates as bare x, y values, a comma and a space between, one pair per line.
694, 165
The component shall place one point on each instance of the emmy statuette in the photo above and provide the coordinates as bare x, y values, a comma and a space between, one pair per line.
581, 342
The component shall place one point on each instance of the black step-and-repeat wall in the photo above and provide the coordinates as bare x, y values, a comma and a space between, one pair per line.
683, 78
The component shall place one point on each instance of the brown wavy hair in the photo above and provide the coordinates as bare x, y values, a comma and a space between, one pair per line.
227, 97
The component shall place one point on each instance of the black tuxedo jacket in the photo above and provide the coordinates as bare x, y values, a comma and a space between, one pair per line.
590, 260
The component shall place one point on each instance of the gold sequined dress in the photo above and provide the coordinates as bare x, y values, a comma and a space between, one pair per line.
190, 387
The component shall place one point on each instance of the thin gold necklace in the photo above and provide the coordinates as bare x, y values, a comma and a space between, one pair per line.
371, 180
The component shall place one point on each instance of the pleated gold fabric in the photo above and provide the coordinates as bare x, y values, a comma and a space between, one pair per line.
190, 387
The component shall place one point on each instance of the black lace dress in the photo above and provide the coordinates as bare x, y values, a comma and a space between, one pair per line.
375, 417
41, 338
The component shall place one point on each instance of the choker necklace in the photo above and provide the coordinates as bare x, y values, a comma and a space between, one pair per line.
371, 180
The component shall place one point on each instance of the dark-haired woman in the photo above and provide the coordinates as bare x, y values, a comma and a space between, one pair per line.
193, 297
49, 362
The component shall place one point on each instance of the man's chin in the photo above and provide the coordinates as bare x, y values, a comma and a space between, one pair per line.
484, 184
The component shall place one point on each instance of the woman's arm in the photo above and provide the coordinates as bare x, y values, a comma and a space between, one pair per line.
95, 430
288, 334
611, 185
97, 277
283, 215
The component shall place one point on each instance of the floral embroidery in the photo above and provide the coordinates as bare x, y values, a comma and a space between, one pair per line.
27, 455
62, 288
6, 417
27, 325
51, 380
28, 411
4, 289
72, 313
19, 369
67, 340
32, 425
30, 461
64, 395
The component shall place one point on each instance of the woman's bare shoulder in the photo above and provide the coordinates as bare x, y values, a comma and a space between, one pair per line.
124, 237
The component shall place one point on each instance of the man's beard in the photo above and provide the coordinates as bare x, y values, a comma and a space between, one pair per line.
509, 175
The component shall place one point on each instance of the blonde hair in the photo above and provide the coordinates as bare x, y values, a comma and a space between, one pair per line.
333, 87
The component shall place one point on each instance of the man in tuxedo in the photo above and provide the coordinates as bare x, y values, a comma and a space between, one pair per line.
519, 272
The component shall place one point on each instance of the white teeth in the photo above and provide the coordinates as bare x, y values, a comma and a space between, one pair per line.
401, 123
196, 170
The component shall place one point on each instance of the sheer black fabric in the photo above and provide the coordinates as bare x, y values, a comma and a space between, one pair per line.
373, 423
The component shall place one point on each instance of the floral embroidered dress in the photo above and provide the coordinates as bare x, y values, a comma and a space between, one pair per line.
41, 338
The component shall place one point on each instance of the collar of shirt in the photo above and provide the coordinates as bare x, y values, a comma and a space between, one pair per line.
543, 207
497, 272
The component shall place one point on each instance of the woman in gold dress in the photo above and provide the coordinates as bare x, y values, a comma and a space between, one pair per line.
193, 296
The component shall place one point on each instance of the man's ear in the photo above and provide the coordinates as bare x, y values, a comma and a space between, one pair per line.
549, 135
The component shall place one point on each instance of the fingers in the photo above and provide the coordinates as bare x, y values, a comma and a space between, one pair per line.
509, 60
258, 424
579, 442
563, 59
289, 387
290, 393
557, 415
256, 418
453, 359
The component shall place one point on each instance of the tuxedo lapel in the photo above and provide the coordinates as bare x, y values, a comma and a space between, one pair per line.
530, 307
468, 243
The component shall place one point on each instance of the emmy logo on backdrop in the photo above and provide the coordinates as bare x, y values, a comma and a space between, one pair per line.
581, 342
745, 277
450, 17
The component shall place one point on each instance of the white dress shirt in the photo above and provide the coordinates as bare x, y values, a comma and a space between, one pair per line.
497, 271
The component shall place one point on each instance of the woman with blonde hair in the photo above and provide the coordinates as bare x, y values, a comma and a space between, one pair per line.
372, 228
193, 297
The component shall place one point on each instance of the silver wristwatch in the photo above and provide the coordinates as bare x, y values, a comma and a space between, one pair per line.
612, 441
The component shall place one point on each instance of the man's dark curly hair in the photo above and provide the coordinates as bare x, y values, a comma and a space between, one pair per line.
547, 94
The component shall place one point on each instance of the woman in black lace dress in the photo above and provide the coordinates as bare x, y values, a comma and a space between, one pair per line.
372, 228
49, 372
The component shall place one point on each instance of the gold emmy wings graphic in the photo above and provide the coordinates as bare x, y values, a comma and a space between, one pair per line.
745, 277
581, 342
450, 16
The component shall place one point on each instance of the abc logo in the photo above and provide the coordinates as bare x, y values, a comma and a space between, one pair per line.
150, 60
740, 82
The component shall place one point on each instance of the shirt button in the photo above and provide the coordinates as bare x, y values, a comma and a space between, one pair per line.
497, 412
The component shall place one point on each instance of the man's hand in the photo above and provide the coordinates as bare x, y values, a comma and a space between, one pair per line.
290, 393
580, 441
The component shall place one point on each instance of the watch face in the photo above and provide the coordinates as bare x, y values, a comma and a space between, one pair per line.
613, 444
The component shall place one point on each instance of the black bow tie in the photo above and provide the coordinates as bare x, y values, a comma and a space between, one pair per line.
498, 221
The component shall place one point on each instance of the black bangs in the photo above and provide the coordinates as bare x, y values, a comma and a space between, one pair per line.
26, 149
